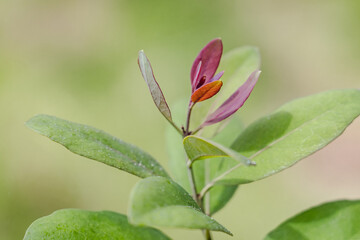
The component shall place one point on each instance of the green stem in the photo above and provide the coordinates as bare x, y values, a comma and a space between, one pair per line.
174, 125
190, 171
206, 189
196, 197
191, 105
207, 234
192, 182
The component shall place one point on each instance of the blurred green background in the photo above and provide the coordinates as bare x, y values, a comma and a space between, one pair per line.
77, 60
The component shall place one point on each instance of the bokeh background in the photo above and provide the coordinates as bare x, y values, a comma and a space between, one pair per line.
77, 60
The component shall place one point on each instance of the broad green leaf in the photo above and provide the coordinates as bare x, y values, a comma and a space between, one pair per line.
291, 133
78, 224
198, 148
97, 145
338, 220
219, 196
158, 201
154, 87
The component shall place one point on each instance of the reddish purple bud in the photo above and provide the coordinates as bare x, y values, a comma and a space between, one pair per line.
234, 102
206, 63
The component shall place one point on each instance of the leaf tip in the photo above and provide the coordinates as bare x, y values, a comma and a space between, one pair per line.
225, 230
30, 123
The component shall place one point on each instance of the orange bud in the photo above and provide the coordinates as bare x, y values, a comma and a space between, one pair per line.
206, 91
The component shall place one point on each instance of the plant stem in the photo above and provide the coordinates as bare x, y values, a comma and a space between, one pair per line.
190, 171
174, 125
192, 182
206, 189
191, 105
196, 130
207, 234
195, 196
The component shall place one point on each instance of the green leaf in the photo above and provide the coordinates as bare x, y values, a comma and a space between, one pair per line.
338, 220
291, 133
80, 224
219, 196
158, 201
198, 148
97, 145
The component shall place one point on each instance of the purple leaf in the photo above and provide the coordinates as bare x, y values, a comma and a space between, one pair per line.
210, 57
154, 87
234, 102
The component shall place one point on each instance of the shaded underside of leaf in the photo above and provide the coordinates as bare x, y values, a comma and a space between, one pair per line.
78, 224
339, 220
220, 195
293, 132
97, 145
158, 201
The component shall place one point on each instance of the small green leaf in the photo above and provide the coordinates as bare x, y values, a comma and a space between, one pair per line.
198, 148
338, 220
291, 133
158, 201
78, 224
97, 145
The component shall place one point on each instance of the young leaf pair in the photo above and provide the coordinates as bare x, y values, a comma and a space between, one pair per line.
204, 84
